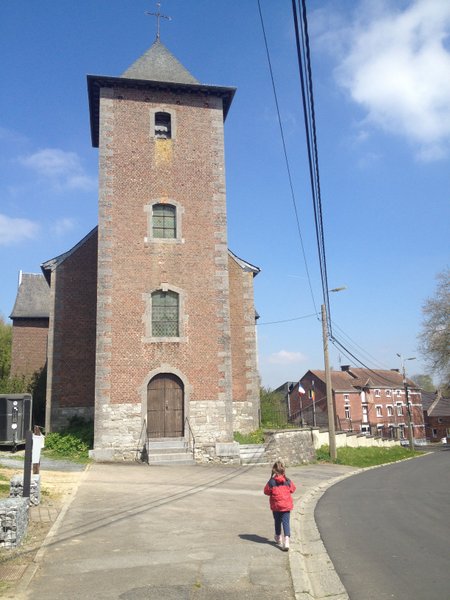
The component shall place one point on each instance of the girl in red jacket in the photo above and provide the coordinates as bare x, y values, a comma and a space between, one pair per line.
280, 490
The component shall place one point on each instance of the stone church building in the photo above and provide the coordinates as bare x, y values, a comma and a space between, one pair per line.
151, 327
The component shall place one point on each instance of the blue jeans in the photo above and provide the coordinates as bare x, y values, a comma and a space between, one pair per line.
282, 518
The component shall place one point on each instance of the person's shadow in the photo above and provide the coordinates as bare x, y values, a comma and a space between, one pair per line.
258, 539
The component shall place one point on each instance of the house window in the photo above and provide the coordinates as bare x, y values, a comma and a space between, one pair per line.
399, 409
165, 314
377, 393
379, 411
346, 398
365, 429
390, 411
164, 221
163, 126
388, 393
347, 412
398, 392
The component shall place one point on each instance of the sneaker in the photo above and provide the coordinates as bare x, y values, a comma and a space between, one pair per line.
277, 539
286, 544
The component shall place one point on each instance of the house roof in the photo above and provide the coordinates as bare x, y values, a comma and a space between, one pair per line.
33, 298
246, 266
51, 264
351, 380
156, 69
440, 407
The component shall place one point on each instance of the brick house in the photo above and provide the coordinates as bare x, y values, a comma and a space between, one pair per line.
152, 319
436, 410
29, 317
365, 401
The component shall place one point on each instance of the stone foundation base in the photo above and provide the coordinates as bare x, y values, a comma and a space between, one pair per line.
16, 488
13, 521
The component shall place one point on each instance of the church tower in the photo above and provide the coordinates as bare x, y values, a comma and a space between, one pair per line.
166, 279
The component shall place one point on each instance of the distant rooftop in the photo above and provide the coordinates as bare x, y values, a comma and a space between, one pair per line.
33, 298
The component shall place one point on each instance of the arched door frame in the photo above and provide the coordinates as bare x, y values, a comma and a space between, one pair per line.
164, 368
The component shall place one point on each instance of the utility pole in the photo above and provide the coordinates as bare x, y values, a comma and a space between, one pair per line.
408, 406
330, 406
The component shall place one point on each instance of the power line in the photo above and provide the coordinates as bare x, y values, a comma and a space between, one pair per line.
285, 153
288, 320
304, 65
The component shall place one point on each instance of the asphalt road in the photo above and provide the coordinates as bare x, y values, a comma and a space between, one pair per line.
387, 530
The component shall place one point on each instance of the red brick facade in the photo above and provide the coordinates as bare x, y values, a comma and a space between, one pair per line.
29, 346
71, 343
364, 402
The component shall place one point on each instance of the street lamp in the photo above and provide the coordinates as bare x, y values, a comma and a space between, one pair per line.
408, 407
330, 405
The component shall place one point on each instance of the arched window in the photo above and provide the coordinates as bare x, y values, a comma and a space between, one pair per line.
163, 127
165, 314
164, 221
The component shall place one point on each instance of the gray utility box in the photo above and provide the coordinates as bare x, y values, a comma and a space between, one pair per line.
15, 418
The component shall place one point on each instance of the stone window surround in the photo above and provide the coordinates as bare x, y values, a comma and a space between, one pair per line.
379, 410
173, 123
148, 338
179, 210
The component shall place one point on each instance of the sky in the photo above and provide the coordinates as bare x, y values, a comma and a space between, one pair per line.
381, 77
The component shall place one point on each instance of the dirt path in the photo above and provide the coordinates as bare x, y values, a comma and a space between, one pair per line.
56, 488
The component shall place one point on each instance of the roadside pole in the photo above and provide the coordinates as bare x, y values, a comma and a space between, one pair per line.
330, 406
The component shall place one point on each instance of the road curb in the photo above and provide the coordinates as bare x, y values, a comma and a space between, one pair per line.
313, 574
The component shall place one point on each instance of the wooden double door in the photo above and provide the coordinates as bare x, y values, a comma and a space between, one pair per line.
165, 406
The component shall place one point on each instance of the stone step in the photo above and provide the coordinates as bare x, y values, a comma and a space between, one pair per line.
175, 458
163, 443
251, 454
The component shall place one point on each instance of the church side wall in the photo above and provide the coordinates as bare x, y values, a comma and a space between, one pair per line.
71, 386
244, 352
137, 170
29, 346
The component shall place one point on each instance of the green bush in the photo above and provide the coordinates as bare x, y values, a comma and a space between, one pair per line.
65, 445
72, 443
254, 437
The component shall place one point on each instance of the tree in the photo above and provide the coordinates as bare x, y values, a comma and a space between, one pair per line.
435, 334
5, 348
425, 382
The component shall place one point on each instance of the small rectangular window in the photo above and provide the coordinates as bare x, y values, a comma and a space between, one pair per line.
165, 314
164, 221
379, 411
390, 412
163, 130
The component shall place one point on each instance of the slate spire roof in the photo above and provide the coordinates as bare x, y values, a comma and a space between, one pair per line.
158, 64
33, 298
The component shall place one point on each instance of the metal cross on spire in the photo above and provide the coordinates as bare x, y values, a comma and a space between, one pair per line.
158, 16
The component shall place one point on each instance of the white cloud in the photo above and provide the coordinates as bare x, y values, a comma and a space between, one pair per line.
286, 357
396, 64
14, 231
63, 226
63, 169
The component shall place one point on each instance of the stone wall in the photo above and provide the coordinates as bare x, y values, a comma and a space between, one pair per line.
16, 488
292, 446
13, 521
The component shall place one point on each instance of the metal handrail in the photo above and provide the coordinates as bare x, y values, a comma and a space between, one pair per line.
143, 452
191, 434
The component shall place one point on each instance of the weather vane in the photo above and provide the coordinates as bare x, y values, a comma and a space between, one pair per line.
158, 16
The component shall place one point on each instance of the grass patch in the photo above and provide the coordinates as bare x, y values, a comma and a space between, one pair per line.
254, 437
365, 457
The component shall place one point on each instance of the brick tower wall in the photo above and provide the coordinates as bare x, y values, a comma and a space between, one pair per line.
71, 344
137, 170
29, 346
243, 348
